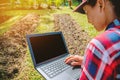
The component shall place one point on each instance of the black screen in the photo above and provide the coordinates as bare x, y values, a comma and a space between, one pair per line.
47, 47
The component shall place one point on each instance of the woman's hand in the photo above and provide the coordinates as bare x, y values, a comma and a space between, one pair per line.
74, 60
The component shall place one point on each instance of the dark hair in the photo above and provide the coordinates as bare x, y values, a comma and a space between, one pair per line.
115, 3
91, 2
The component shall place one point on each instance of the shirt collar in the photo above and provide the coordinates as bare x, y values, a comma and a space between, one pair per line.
116, 22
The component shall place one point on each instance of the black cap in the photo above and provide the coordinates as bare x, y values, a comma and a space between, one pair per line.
79, 8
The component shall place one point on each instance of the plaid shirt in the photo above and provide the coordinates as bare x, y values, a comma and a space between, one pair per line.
102, 55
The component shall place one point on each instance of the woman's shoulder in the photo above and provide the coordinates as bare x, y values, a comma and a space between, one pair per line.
107, 38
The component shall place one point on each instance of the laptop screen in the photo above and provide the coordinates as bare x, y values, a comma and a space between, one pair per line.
47, 47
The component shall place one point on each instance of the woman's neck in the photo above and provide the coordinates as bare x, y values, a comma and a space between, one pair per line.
110, 14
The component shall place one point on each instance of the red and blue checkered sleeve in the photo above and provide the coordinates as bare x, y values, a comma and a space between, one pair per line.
102, 59
92, 61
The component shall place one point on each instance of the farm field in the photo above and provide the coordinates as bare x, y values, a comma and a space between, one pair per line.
15, 60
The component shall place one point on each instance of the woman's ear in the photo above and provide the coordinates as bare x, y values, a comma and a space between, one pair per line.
101, 4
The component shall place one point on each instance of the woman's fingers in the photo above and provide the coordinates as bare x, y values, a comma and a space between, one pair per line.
74, 60
71, 56
69, 60
75, 64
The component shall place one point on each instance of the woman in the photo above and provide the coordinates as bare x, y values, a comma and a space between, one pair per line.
102, 56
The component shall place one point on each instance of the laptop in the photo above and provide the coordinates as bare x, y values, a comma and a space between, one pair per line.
48, 52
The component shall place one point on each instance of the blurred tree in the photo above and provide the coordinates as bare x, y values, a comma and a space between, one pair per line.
58, 3
30, 3
39, 2
12, 3
64, 1
49, 3
70, 3
4, 1
24, 3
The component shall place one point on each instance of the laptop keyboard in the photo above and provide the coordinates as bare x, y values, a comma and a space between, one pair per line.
55, 68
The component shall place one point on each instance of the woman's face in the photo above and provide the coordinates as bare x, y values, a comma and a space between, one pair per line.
96, 16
